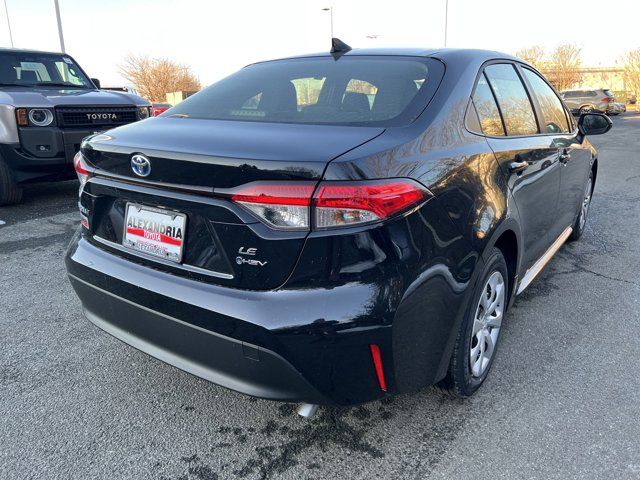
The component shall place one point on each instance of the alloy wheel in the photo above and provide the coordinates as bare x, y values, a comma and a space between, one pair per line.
586, 202
486, 324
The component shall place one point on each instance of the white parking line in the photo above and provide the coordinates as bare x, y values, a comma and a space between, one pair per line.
2, 223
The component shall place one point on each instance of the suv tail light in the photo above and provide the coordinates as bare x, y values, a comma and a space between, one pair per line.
607, 99
293, 205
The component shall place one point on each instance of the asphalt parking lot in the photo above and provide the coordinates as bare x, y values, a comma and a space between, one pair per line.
562, 401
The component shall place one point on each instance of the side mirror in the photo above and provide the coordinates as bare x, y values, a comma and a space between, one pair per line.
594, 124
96, 82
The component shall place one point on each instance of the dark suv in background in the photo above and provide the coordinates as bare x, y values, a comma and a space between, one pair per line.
334, 228
47, 106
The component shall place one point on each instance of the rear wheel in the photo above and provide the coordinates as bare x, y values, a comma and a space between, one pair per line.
581, 221
479, 332
10, 193
586, 109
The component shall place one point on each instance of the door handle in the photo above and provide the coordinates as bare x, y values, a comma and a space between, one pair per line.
564, 156
518, 167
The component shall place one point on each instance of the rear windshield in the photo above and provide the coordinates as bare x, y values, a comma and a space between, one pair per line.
40, 69
375, 91
608, 93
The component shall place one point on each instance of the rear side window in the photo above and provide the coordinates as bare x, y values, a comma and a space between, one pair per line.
488, 113
514, 103
553, 118
354, 90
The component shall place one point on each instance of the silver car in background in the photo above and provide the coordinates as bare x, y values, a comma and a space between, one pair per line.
593, 100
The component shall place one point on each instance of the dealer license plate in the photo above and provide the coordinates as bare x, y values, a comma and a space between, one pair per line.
154, 231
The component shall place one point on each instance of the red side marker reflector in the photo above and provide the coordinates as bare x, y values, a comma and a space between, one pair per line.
376, 356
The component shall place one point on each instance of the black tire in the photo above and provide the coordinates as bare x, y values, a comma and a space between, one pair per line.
10, 193
579, 225
459, 380
587, 109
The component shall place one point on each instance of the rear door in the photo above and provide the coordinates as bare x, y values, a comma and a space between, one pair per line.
529, 160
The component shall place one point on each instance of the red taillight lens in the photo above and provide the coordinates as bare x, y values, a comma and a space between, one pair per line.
338, 204
291, 205
607, 99
280, 205
81, 168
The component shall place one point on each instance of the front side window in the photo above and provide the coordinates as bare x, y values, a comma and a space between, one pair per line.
553, 118
353, 90
513, 100
40, 69
488, 113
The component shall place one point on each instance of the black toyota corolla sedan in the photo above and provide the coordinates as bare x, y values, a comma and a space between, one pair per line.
333, 228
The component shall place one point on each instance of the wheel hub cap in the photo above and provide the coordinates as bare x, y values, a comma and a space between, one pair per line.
486, 324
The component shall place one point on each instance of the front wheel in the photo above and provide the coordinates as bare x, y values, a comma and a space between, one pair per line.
10, 193
581, 221
479, 332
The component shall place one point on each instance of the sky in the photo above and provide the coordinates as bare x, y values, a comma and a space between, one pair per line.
215, 38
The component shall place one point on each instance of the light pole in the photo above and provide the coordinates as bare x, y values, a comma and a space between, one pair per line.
446, 21
6, 12
57, 7
330, 10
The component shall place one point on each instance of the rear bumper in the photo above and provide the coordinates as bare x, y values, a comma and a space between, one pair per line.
223, 360
270, 344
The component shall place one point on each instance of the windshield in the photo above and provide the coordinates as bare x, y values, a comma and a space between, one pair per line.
40, 69
365, 90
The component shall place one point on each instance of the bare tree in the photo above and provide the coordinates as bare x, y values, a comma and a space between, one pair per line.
155, 77
533, 55
632, 71
564, 66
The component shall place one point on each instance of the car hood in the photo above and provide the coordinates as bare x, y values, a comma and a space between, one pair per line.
53, 97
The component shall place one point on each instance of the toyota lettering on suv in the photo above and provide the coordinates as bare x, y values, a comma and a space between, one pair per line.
335, 228
47, 106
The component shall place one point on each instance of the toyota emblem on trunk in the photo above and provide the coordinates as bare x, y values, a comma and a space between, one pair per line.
140, 165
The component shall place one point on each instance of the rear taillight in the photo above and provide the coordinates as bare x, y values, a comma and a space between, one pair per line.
279, 205
341, 204
607, 99
81, 169
294, 205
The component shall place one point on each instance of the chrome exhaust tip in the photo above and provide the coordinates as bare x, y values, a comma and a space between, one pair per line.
307, 410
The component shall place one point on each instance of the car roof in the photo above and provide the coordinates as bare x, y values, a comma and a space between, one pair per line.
445, 54
34, 52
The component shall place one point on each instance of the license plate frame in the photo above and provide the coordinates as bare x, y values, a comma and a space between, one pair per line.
155, 243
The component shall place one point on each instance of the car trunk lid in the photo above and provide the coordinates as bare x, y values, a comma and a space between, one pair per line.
189, 161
